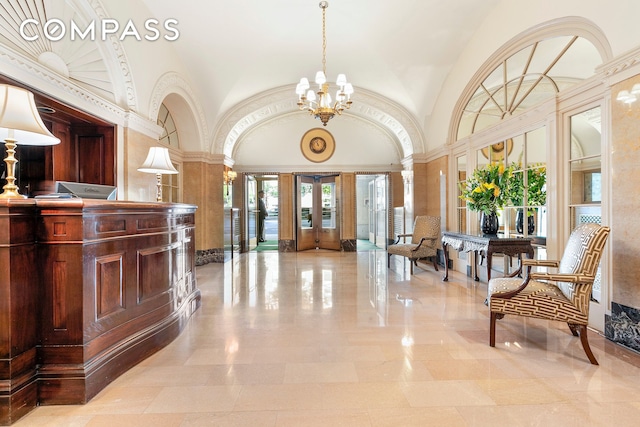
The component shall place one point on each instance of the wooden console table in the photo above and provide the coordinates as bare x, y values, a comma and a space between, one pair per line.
485, 245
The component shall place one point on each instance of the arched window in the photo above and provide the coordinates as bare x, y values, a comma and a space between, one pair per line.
169, 132
532, 75
169, 137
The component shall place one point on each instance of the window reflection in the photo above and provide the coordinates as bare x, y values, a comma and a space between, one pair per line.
461, 173
585, 182
525, 213
316, 289
378, 290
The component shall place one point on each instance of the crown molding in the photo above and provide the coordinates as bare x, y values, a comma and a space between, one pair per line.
138, 123
203, 157
621, 67
263, 169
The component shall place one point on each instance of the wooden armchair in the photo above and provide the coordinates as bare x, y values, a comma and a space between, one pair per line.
425, 241
562, 296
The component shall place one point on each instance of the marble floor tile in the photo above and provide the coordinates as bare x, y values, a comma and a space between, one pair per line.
324, 338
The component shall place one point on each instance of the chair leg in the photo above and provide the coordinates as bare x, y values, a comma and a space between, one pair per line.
388, 260
574, 329
492, 329
435, 263
585, 343
411, 262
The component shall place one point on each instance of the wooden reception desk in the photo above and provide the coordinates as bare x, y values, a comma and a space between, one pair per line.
88, 289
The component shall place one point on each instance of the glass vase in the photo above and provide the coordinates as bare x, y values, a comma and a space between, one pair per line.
531, 225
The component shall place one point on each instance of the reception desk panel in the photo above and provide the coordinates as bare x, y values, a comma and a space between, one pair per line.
115, 282
18, 302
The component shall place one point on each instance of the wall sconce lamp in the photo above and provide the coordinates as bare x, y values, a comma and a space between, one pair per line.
229, 177
158, 162
629, 97
19, 122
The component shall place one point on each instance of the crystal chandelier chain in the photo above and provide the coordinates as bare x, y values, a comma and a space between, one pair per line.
324, 36
319, 104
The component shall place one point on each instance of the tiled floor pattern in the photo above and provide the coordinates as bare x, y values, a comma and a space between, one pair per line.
336, 339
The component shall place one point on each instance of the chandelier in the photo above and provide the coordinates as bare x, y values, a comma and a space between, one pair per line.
319, 104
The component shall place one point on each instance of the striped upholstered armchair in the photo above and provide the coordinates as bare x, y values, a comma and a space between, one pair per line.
425, 241
562, 296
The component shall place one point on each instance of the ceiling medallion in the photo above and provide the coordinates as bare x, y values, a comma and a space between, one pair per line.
317, 145
321, 106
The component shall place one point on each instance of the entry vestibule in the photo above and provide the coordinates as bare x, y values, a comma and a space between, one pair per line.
354, 209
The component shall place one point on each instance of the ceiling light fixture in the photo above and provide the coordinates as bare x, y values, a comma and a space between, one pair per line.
629, 97
321, 106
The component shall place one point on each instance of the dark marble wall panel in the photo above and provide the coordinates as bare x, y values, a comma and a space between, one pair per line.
623, 326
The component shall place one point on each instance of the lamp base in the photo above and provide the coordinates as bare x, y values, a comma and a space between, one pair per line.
11, 195
158, 187
10, 188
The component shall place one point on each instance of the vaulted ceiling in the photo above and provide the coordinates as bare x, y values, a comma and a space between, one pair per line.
402, 50
241, 59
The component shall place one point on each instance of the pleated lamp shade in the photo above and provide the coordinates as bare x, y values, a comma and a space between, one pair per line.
158, 162
20, 120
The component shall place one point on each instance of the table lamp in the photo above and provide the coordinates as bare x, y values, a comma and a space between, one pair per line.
20, 122
158, 162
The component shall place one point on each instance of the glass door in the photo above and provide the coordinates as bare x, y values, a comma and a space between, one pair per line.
381, 211
252, 211
317, 212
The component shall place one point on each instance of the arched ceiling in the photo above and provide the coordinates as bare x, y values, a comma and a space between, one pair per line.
239, 52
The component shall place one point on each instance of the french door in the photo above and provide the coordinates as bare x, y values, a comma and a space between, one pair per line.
251, 203
378, 211
317, 213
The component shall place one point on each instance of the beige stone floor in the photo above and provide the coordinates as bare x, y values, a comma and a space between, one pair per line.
337, 339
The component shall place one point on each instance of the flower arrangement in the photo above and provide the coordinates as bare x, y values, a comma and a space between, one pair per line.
536, 186
486, 190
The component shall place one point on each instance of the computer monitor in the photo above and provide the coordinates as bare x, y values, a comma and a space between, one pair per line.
87, 191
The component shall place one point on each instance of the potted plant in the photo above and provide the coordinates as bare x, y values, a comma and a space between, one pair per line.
486, 191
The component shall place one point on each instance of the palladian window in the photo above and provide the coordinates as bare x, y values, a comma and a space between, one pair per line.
521, 80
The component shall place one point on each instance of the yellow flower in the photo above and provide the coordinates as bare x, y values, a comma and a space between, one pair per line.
485, 189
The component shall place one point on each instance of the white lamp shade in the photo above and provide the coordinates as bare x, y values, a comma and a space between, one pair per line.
320, 78
20, 120
348, 88
158, 162
623, 95
311, 95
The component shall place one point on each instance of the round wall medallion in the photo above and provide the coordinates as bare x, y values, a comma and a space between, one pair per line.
317, 145
497, 150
